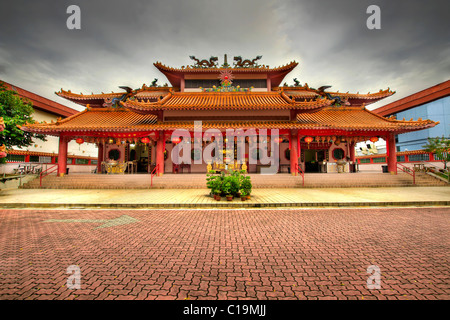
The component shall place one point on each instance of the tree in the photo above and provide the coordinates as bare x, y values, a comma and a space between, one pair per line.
440, 147
15, 111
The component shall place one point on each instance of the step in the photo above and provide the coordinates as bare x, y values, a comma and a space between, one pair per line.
142, 181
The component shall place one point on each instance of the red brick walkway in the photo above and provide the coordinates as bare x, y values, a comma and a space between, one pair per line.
242, 254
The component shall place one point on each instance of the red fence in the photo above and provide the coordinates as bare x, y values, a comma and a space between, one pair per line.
403, 157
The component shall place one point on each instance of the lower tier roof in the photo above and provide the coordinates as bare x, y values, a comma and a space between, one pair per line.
95, 121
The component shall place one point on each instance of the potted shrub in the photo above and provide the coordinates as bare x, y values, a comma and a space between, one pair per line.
211, 181
226, 188
247, 186
243, 195
234, 185
217, 194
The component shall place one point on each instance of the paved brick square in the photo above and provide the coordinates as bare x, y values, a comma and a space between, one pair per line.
225, 254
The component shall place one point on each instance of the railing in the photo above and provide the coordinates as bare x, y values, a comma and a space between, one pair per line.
154, 171
429, 167
407, 170
299, 170
47, 171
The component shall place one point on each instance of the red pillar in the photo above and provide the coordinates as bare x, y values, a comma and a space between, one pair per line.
100, 158
352, 152
160, 153
293, 139
391, 153
352, 156
62, 156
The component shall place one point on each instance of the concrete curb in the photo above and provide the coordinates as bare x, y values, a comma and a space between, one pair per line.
219, 205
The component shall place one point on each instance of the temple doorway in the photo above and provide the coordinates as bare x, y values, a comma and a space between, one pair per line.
140, 155
313, 159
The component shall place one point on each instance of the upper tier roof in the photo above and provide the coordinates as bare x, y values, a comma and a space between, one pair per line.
154, 97
224, 100
174, 75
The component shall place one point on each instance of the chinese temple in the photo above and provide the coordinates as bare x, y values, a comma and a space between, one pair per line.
318, 128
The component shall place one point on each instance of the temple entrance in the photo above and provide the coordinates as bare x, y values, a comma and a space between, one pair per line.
313, 159
140, 155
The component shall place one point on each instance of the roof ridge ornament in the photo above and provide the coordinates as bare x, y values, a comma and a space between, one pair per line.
211, 63
226, 79
247, 63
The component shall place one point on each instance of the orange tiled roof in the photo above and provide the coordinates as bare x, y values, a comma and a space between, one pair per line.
307, 93
358, 118
123, 120
220, 100
80, 96
97, 99
104, 119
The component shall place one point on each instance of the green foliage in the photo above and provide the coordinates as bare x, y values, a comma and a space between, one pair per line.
232, 182
15, 111
226, 186
440, 147
246, 185
214, 182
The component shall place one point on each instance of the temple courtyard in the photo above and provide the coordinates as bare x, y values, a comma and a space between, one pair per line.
282, 253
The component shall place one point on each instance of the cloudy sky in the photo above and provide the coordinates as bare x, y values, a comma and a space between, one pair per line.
119, 41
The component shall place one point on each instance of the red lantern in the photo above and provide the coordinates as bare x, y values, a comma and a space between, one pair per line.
308, 140
374, 139
280, 140
176, 140
145, 140
80, 140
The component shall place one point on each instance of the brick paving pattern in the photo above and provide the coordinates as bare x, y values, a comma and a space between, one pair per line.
227, 254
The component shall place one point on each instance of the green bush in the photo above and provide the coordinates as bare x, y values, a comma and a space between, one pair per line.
232, 182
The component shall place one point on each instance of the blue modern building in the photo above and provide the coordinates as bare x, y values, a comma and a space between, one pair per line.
432, 103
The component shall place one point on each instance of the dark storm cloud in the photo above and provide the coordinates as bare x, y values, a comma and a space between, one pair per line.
120, 40
409, 53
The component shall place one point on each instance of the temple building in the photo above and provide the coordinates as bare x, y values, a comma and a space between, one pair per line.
318, 128
80, 158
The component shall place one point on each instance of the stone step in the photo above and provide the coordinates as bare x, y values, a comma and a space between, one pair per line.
142, 181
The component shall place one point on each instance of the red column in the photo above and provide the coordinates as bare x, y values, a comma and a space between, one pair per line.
62, 156
352, 156
391, 153
293, 139
100, 158
160, 153
431, 156
352, 152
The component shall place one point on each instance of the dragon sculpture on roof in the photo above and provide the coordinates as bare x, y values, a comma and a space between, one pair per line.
247, 63
321, 91
211, 63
